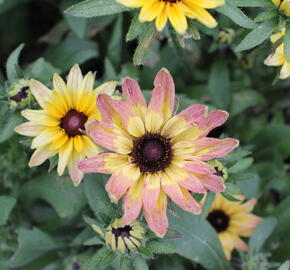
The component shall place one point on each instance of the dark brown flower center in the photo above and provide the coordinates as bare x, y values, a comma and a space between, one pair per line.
170, 1
122, 232
219, 220
218, 172
152, 153
73, 122
22, 94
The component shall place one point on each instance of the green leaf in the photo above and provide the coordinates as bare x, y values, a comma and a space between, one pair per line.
145, 41
115, 48
232, 189
230, 197
286, 41
140, 264
6, 205
241, 176
125, 263
66, 199
136, 28
71, 51
7, 130
241, 165
266, 15
93, 241
219, 84
192, 30
236, 15
257, 35
285, 266
12, 63
199, 242
102, 259
261, 234
161, 246
235, 155
207, 205
95, 8
252, 3
31, 245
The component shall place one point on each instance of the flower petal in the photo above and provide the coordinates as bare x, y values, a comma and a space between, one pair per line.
151, 191
40, 155
29, 129
63, 156
75, 173
41, 93
212, 182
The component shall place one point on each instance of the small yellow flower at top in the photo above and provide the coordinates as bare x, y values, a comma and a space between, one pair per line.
176, 11
278, 58
232, 220
283, 5
58, 126
123, 237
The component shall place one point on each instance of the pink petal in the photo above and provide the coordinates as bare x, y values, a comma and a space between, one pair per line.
96, 164
193, 184
165, 81
210, 148
133, 93
151, 191
132, 202
193, 114
240, 244
75, 173
181, 197
119, 182
212, 182
157, 219
198, 167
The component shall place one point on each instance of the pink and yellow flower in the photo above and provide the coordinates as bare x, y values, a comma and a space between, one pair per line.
156, 154
233, 220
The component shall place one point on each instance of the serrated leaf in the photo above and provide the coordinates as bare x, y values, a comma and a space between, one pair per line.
103, 258
257, 35
145, 40
6, 205
31, 245
261, 234
95, 8
286, 41
236, 15
12, 63
199, 242
60, 192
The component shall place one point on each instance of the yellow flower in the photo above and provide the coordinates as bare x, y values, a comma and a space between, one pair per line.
232, 220
278, 58
122, 237
176, 11
283, 6
57, 126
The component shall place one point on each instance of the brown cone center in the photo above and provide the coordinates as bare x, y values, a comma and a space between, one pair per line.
73, 122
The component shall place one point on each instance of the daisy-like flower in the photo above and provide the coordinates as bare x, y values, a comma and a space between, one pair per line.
176, 11
278, 58
156, 153
283, 6
233, 220
57, 126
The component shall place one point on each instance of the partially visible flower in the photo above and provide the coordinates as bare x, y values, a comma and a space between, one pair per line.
156, 153
20, 94
122, 237
58, 126
283, 5
233, 220
278, 58
226, 36
219, 168
176, 11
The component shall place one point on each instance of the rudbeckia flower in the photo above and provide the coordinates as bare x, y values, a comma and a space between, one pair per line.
176, 11
233, 220
283, 6
278, 58
57, 126
156, 153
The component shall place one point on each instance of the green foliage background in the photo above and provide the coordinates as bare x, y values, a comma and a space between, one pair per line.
41, 225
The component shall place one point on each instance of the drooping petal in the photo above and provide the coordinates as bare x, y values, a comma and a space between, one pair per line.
277, 58
151, 191
157, 218
40, 155
210, 148
133, 202
75, 173
285, 71
119, 182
